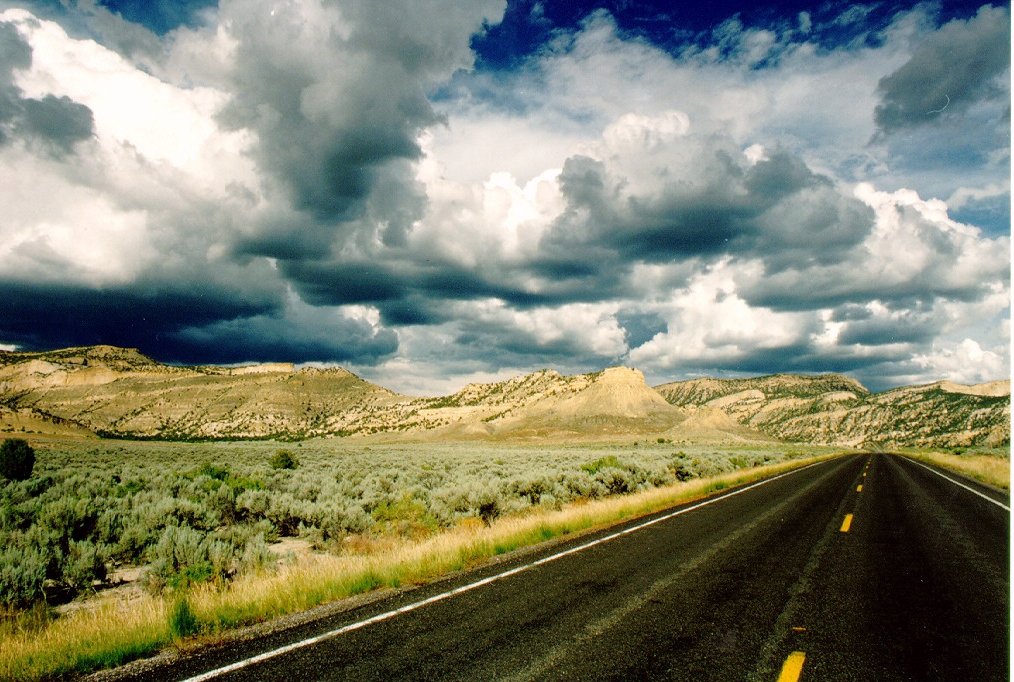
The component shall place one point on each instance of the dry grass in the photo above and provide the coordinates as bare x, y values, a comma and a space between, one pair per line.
110, 632
993, 470
107, 634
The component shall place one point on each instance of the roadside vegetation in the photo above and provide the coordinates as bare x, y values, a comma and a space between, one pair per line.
990, 466
197, 523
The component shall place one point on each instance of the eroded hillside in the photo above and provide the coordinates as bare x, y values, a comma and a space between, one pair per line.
836, 410
120, 392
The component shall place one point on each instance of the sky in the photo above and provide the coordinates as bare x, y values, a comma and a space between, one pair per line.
435, 192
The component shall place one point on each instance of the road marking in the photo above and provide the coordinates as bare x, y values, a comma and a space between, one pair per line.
847, 523
958, 483
387, 615
793, 667
859, 488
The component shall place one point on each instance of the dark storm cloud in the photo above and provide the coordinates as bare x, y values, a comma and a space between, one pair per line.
300, 335
338, 108
330, 283
409, 292
801, 289
906, 328
50, 316
797, 358
55, 124
640, 326
948, 72
713, 203
414, 309
464, 285
501, 343
180, 322
681, 222
818, 224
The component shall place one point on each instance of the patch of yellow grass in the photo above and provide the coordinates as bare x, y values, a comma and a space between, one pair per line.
990, 469
106, 634
110, 632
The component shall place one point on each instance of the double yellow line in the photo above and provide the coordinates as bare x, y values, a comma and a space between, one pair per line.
846, 524
793, 666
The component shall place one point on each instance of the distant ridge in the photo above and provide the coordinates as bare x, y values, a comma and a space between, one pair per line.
119, 392
837, 410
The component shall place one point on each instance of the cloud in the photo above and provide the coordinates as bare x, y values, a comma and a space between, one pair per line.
55, 124
336, 95
966, 363
708, 324
586, 330
299, 332
877, 325
335, 182
144, 315
948, 72
57, 121
915, 253
657, 198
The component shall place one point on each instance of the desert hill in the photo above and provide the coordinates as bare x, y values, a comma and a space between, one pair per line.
837, 410
119, 392
614, 401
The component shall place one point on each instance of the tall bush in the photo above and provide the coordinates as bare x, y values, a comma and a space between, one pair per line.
17, 459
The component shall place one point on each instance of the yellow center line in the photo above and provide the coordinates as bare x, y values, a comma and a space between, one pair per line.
859, 488
793, 667
847, 523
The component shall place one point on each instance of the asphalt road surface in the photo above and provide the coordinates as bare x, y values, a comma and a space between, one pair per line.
803, 577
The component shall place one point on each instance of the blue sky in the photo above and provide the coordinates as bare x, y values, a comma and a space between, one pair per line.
432, 193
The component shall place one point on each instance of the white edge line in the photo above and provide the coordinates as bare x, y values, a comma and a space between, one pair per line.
478, 583
959, 483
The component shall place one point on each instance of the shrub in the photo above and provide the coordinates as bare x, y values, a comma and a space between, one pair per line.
17, 459
283, 459
83, 565
609, 461
179, 559
22, 573
213, 471
256, 555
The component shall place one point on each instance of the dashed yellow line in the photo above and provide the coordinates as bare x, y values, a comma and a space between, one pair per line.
859, 488
847, 523
793, 667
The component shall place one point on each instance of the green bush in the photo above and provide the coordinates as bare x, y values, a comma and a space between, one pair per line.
179, 559
609, 461
283, 459
83, 565
17, 459
22, 573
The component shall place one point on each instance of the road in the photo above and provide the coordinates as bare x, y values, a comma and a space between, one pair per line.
865, 567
